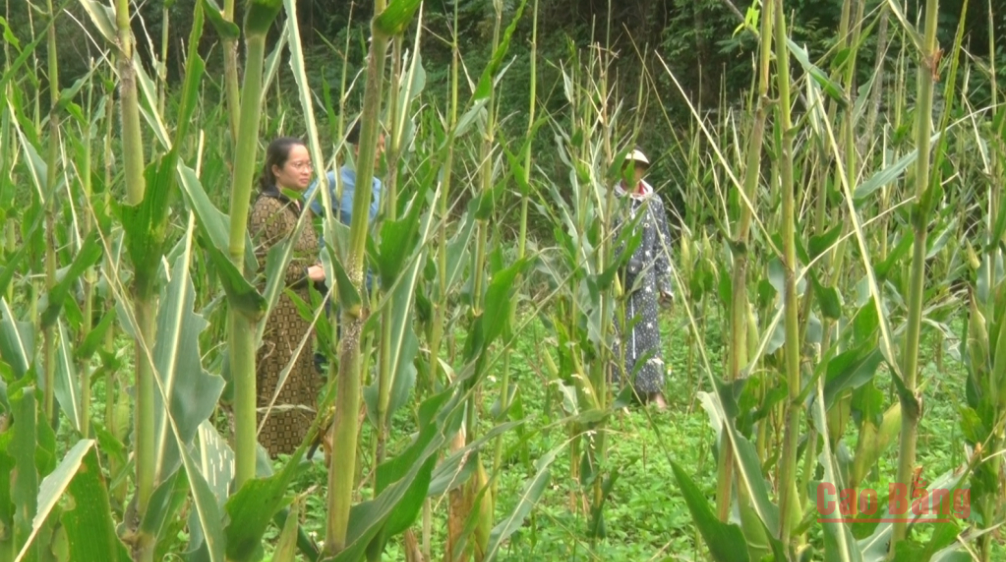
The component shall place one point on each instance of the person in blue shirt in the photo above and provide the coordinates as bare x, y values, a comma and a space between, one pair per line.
342, 207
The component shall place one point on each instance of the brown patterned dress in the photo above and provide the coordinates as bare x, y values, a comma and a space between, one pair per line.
273, 218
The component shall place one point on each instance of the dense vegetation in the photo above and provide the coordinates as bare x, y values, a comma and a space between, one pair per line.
835, 170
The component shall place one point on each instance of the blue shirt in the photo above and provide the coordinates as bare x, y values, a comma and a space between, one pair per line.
343, 209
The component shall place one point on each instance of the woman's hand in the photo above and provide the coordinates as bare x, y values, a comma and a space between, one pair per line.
316, 273
667, 299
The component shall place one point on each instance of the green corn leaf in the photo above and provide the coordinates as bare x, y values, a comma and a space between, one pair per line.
9, 36
349, 296
491, 71
145, 228
899, 251
530, 493
17, 341
37, 167
103, 17
875, 442
67, 384
272, 63
225, 29
828, 298
240, 293
850, 370
251, 511
7, 508
52, 489
455, 470
89, 253
819, 244
149, 102
398, 251
214, 225
725, 541
260, 16
206, 518
194, 70
398, 241
403, 481
830, 87
286, 545
888, 174
468, 118
839, 544
749, 472
95, 337
496, 316
90, 529
913, 34
22, 449
396, 17
188, 391
1000, 226
23, 57
165, 501
939, 241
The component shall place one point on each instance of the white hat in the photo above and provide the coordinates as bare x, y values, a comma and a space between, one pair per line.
638, 156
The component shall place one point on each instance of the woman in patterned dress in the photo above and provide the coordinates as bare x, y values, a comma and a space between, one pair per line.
647, 282
273, 219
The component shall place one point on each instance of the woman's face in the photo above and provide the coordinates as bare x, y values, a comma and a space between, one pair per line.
296, 172
640, 171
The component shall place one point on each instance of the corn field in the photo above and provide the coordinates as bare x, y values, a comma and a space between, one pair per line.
840, 299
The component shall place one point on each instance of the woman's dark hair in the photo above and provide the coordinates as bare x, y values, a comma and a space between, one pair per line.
276, 155
353, 137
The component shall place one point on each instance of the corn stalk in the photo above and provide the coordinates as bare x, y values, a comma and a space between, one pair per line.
144, 293
789, 506
740, 306
49, 364
911, 408
346, 424
241, 327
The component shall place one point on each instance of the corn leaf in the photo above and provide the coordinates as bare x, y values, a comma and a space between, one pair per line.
530, 493
725, 541
17, 341
286, 546
165, 501
850, 370
30, 439
226, 29
403, 480
67, 383
90, 529
830, 87
88, 254
251, 511
396, 17
52, 489
189, 394
492, 69
749, 472
888, 174
839, 544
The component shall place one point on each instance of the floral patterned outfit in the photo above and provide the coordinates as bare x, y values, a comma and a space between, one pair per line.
645, 277
273, 219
